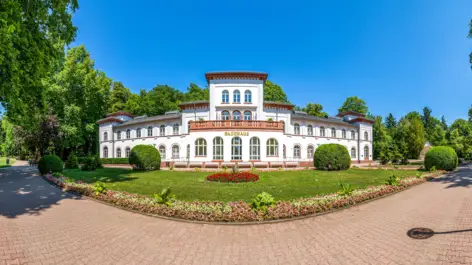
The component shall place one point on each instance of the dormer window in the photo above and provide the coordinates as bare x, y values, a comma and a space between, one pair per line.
247, 96
225, 96
236, 96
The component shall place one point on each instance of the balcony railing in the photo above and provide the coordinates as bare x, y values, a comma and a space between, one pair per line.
240, 125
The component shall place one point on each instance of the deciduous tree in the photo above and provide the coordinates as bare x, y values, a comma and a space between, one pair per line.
354, 104
274, 92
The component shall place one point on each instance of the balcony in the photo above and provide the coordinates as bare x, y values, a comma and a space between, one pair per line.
236, 125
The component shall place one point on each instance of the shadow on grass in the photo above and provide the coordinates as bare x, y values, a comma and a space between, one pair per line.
23, 191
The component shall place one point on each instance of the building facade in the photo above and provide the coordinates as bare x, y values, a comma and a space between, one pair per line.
236, 126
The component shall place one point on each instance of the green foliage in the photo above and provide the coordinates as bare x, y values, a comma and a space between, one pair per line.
315, 109
433, 169
91, 163
50, 164
123, 160
390, 122
194, 93
332, 157
274, 92
99, 188
57, 174
262, 202
418, 175
119, 97
441, 157
72, 161
164, 197
145, 157
346, 189
354, 104
409, 136
437, 136
32, 38
393, 181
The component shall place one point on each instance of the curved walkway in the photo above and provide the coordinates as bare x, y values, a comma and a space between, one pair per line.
39, 224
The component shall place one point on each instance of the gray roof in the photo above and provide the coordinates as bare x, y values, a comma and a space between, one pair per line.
150, 119
321, 119
194, 102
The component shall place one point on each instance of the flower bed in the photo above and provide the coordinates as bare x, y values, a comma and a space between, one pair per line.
233, 177
238, 211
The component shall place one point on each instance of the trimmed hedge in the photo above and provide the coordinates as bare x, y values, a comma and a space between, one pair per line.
441, 157
115, 160
145, 157
50, 164
91, 163
332, 157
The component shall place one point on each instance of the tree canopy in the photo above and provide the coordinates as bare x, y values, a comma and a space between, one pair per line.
274, 92
354, 103
315, 109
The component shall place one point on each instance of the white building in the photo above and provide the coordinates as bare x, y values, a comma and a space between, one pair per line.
236, 126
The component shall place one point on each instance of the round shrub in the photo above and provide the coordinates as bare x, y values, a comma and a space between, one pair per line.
145, 157
50, 164
332, 157
441, 157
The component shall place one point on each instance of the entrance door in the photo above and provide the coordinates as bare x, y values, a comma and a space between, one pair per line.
366, 153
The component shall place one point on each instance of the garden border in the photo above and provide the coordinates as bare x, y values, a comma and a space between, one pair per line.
424, 179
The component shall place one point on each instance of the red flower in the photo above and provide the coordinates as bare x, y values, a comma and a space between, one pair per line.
234, 177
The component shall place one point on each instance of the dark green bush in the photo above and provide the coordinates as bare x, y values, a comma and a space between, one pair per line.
72, 161
50, 164
114, 160
82, 159
441, 157
145, 157
91, 163
332, 157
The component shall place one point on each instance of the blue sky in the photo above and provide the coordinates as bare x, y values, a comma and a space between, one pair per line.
398, 56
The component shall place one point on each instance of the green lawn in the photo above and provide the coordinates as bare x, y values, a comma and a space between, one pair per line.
284, 185
3, 162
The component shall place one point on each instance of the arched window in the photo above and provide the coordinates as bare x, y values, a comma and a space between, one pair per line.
105, 152
127, 151
333, 132
310, 130
284, 151
236, 96
175, 128
128, 134
310, 151
162, 151
366, 136
322, 131
200, 147
175, 152
236, 149
366, 152
247, 96
225, 96
272, 147
225, 115
296, 128
188, 151
254, 149
105, 136
353, 152
149, 131
236, 115
247, 115
217, 148
138, 133
118, 152
162, 130
344, 134
296, 151
353, 135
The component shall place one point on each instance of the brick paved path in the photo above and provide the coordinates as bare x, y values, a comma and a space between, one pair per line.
41, 225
